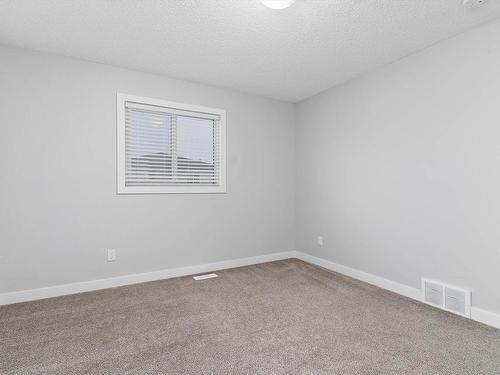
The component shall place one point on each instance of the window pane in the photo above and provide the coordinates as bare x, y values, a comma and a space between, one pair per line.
148, 147
195, 139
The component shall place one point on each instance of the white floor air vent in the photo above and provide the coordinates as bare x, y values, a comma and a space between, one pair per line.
446, 297
204, 277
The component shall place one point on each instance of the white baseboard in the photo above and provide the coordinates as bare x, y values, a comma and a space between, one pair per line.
393, 286
87, 286
485, 317
477, 314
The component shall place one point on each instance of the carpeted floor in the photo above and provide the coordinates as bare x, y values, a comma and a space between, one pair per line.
285, 317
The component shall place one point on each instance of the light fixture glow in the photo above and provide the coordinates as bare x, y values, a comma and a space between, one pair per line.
277, 4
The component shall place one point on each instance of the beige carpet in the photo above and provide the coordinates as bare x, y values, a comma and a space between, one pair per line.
285, 317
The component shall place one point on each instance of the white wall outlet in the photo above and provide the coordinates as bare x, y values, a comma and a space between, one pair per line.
320, 241
111, 255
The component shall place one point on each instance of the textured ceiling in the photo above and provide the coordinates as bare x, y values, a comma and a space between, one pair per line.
289, 54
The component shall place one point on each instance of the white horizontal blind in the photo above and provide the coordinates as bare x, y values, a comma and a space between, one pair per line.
170, 147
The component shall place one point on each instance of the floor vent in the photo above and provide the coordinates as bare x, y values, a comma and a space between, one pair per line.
447, 297
204, 277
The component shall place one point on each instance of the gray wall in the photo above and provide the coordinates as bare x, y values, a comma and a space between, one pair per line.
399, 170
59, 211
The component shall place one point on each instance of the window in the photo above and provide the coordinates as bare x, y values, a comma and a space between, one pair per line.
166, 147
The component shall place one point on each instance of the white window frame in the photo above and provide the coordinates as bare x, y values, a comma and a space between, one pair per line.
121, 99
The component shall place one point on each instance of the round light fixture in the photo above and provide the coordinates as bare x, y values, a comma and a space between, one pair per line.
277, 4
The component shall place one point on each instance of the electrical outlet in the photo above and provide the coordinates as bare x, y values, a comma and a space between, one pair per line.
111, 255
320, 241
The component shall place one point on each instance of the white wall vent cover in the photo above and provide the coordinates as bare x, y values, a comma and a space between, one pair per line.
446, 297
433, 293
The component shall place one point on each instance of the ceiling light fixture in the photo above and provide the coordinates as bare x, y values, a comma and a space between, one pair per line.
277, 4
